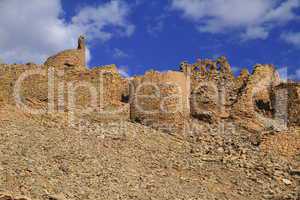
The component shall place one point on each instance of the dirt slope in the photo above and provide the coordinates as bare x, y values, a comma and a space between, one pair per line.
42, 159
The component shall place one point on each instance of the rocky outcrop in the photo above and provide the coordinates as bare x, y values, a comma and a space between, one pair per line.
74, 58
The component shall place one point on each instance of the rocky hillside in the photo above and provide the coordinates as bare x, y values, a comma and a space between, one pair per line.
41, 158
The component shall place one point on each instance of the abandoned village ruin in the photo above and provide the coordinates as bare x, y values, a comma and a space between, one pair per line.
70, 133
206, 90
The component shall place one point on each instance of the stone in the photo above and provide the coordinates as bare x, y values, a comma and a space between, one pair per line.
6, 197
56, 197
295, 172
287, 181
21, 198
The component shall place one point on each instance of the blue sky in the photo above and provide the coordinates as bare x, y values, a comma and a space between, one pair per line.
138, 35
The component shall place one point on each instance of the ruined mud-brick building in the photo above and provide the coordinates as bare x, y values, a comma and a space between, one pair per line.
161, 100
212, 88
73, 58
286, 102
64, 82
206, 90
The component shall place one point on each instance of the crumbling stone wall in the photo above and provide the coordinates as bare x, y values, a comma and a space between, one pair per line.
9, 74
105, 79
161, 100
105, 83
226, 83
212, 89
109, 85
74, 58
206, 90
255, 97
241, 81
286, 103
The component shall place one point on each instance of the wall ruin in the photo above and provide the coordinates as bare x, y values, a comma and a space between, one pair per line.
161, 100
255, 97
212, 89
105, 81
286, 102
206, 90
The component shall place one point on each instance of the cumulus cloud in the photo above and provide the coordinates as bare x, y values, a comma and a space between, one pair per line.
253, 19
93, 21
32, 31
291, 38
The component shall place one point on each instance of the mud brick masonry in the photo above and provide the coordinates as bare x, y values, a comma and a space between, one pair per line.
206, 90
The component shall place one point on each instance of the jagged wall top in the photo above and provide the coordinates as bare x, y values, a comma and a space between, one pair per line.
209, 70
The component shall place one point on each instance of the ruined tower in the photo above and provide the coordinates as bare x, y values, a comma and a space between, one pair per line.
81, 43
69, 59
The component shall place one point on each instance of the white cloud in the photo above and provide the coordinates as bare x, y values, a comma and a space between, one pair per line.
255, 33
291, 38
118, 53
92, 20
252, 18
33, 30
